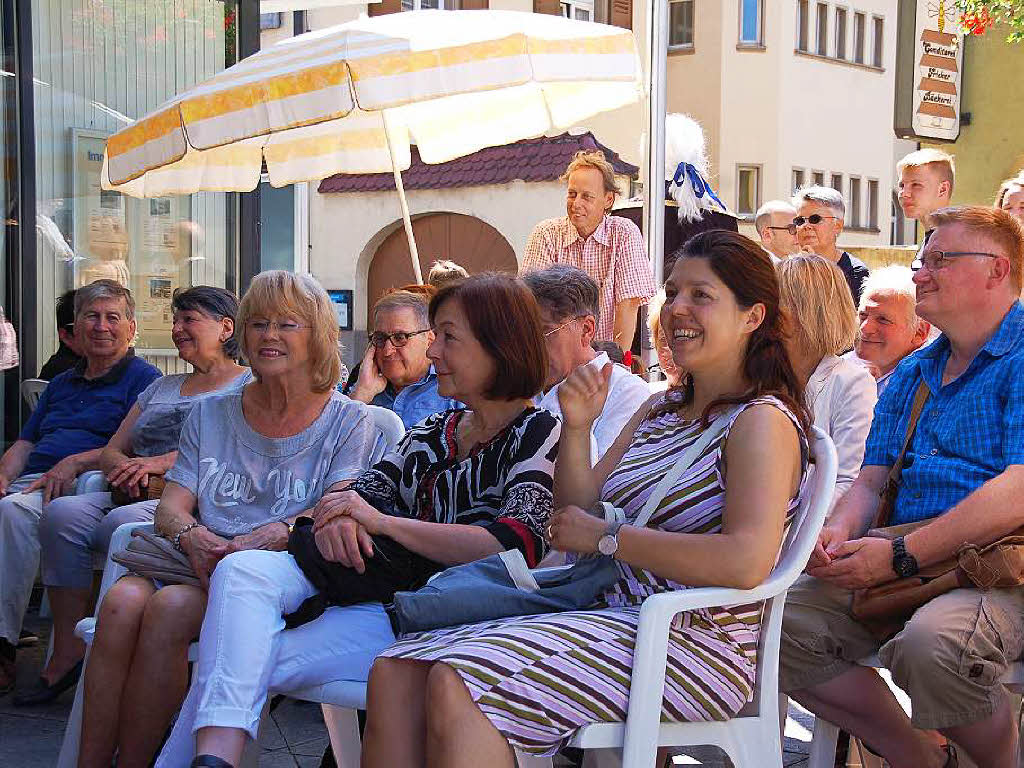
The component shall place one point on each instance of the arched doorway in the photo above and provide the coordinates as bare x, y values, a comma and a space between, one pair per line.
466, 240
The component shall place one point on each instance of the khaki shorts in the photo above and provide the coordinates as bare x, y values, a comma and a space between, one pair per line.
948, 658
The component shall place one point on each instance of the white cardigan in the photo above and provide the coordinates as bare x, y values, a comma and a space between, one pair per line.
841, 396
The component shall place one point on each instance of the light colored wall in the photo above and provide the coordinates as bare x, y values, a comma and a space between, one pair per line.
350, 227
991, 148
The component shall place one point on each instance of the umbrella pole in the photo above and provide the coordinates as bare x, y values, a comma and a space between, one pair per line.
406, 221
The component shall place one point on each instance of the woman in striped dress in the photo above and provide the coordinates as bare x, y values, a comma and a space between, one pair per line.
530, 682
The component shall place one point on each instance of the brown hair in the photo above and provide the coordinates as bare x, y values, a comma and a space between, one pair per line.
747, 271
597, 161
815, 294
504, 317
445, 271
997, 225
296, 295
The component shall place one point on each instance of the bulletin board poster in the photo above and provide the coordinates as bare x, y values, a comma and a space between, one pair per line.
342, 302
144, 244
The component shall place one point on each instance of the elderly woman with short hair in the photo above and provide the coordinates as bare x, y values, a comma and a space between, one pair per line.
840, 393
462, 485
74, 528
249, 462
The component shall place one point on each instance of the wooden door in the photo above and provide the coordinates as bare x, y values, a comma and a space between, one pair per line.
466, 240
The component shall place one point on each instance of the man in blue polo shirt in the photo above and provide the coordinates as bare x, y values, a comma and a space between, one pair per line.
395, 372
962, 480
77, 414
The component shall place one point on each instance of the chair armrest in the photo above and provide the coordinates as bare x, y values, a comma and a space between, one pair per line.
92, 481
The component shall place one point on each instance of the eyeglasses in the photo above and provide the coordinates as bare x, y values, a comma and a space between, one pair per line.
791, 228
286, 328
933, 261
814, 219
553, 331
397, 339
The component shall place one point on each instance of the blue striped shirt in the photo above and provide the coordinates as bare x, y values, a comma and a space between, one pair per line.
970, 430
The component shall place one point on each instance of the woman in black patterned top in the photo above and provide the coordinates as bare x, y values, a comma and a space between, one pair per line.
461, 485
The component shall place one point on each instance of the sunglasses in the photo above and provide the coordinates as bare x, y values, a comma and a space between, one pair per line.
814, 219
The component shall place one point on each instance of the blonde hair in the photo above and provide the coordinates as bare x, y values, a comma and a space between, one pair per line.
445, 271
597, 161
939, 161
1007, 188
995, 224
817, 298
277, 293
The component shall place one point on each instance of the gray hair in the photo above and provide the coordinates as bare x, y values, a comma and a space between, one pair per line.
103, 289
396, 300
826, 196
764, 214
565, 291
897, 281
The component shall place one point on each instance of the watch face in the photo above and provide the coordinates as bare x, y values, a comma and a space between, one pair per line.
607, 545
905, 566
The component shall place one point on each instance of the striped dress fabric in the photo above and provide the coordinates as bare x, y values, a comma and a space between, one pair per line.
539, 678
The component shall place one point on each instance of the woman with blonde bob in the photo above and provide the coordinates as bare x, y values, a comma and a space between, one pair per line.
840, 394
249, 462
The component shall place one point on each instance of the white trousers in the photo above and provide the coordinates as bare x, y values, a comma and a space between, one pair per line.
245, 652
19, 553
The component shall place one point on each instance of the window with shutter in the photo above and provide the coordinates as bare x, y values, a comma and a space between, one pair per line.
551, 7
384, 7
622, 13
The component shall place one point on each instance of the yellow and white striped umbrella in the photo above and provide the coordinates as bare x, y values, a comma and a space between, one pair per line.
352, 98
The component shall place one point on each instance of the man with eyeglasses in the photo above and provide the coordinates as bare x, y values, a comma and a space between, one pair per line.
962, 481
774, 225
69, 352
568, 301
395, 372
819, 221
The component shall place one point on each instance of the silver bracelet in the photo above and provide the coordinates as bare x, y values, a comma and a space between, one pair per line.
177, 537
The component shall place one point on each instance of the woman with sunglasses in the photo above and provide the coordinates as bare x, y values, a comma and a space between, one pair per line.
395, 372
839, 393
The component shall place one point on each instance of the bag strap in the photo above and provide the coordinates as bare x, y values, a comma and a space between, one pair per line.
892, 483
685, 461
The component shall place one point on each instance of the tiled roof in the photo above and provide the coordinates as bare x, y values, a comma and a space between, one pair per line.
543, 159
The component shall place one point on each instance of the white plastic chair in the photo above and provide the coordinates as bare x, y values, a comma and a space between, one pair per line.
31, 389
826, 735
751, 739
390, 424
92, 481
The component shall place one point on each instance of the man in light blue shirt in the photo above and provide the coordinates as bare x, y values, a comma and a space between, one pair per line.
395, 372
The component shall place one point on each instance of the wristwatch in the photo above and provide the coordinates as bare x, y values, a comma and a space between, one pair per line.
609, 543
904, 563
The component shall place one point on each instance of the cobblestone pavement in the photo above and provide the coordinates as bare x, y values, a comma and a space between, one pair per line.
296, 738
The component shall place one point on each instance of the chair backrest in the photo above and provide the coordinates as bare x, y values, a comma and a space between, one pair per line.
390, 424
31, 389
796, 550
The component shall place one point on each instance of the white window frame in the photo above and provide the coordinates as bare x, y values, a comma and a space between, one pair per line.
859, 50
872, 206
842, 35
693, 14
759, 41
841, 180
854, 207
799, 178
417, 5
821, 45
570, 7
877, 42
818, 178
756, 168
803, 30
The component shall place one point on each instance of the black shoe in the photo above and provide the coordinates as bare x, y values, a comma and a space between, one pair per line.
44, 693
27, 639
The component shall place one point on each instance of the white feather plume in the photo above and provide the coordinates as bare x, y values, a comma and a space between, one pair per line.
684, 143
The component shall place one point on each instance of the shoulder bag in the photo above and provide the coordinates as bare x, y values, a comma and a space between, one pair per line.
885, 608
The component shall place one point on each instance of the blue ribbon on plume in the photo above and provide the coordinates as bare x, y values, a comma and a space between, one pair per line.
700, 185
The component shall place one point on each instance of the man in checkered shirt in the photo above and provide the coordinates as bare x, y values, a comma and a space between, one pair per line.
962, 482
608, 248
